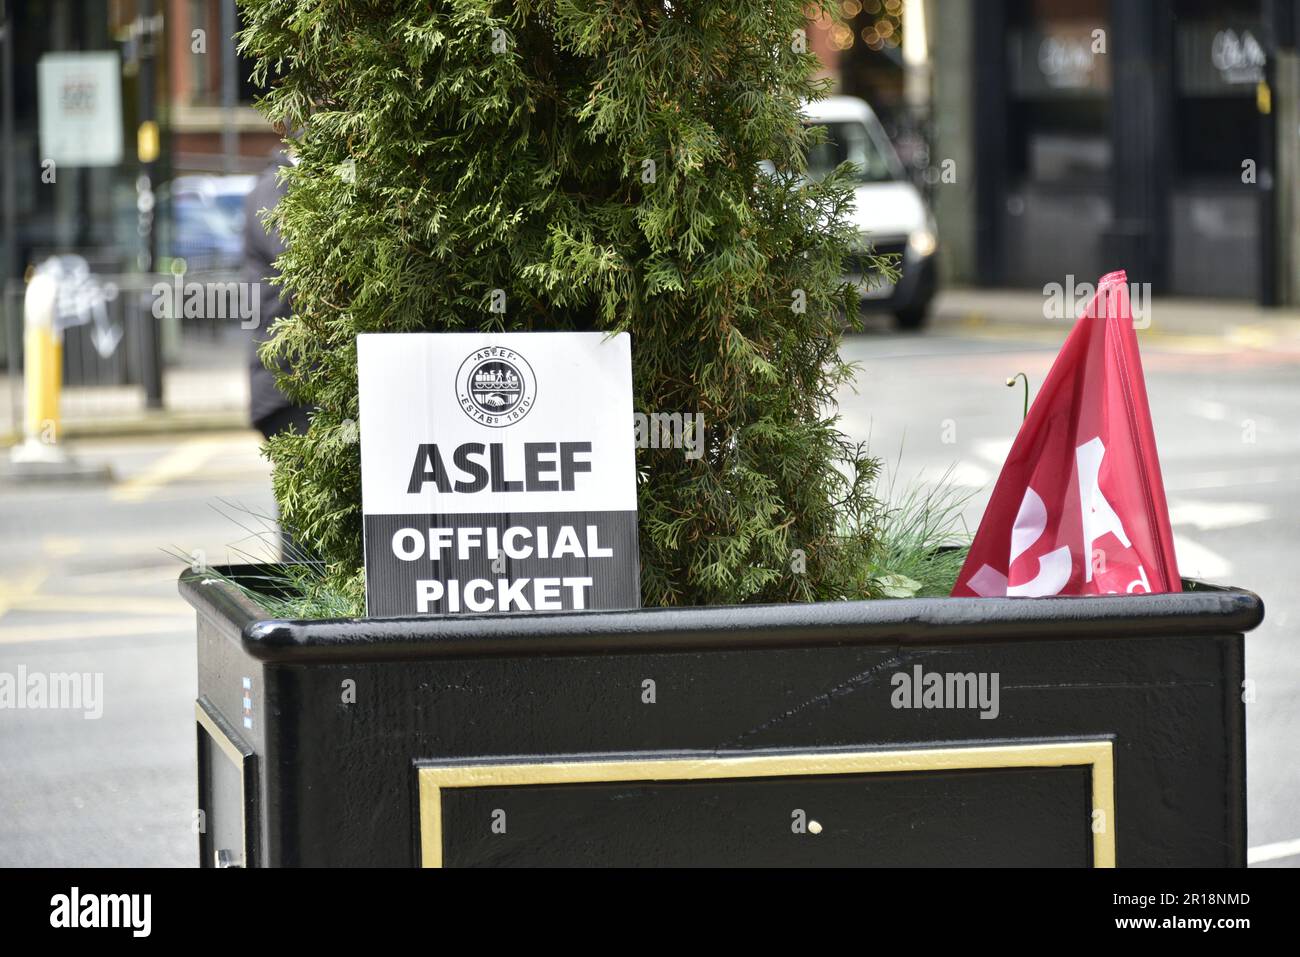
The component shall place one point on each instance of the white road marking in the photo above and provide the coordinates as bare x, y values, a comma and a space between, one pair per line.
1273, 852
1207, 409
1261, 475
1207, 516
994, 451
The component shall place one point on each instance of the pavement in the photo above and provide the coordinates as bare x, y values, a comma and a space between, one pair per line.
88, 571
88, 585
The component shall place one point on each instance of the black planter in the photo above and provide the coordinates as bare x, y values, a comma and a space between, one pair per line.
772, 736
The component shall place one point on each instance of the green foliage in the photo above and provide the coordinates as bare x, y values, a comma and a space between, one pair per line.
599, 160
921, 539
299, 592
287, 582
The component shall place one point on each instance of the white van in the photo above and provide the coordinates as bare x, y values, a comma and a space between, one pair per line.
890, 213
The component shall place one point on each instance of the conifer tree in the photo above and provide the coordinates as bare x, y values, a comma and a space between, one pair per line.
621, 165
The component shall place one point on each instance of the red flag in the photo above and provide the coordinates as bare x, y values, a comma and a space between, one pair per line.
1079, 508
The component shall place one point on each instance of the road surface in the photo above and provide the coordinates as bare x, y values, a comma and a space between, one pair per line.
87, 583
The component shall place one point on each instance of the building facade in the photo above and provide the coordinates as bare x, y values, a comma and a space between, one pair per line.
1098, 135
182, 104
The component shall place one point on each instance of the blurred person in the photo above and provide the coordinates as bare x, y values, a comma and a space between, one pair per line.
270, 410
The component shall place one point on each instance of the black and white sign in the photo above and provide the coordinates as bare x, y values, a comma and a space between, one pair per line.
498, 472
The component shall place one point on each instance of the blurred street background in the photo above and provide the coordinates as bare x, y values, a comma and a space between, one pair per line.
1045, 142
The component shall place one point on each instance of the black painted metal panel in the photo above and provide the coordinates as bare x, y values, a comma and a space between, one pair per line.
1019, 817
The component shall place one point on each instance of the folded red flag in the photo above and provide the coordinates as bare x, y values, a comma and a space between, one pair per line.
1079, 508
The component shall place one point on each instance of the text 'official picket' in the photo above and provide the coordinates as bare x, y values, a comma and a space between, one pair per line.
516, 542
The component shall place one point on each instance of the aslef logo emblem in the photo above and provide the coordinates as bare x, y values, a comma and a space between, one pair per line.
496, 387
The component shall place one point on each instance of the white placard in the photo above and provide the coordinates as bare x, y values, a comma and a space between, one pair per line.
490, 459
80, 102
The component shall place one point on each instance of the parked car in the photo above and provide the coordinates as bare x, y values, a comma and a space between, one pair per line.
202, 220
891, 214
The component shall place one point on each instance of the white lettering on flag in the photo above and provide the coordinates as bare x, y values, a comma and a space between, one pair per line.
1098, 516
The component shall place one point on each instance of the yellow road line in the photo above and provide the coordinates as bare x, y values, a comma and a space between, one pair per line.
22, 589
61, 546
181, 461
1252, 337
1169, 342
95, 628
164, 571
97, 604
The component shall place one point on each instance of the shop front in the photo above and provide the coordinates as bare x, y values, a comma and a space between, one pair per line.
1130, 135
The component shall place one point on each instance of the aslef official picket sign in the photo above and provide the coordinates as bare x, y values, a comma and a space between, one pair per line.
498, 472
1090, 731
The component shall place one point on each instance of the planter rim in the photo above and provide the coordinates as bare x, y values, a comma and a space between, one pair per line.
1209, 610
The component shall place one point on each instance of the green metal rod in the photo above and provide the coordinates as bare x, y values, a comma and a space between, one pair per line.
1011, 382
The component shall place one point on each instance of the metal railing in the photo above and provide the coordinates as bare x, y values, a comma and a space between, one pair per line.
120, 332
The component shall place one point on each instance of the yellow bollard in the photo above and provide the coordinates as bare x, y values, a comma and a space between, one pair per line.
41, 456
43, 367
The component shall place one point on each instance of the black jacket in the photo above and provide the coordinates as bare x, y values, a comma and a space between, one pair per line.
261, 247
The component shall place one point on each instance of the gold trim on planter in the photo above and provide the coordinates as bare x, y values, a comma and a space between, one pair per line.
219, 735
234, 748
1097, 755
